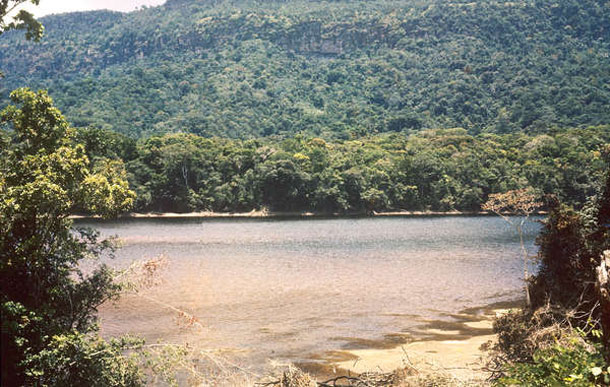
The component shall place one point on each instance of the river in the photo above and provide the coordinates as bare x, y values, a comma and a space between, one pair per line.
291, 290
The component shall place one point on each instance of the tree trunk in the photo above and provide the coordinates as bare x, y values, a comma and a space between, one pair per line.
603, 289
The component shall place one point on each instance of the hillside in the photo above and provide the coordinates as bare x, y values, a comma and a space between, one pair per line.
333, 69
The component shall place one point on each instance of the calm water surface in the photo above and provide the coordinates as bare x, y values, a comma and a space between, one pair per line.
290, 289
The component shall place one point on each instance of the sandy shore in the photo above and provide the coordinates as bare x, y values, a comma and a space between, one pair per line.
269, 214
454, 349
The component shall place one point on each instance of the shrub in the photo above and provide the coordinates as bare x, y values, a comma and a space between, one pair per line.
575, 362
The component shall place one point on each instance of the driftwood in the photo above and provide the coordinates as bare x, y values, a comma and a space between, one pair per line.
293, 377
603, 289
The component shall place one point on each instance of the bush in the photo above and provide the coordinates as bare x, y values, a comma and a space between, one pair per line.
576, 363
567, 261
537, 346
76, 359
521, 333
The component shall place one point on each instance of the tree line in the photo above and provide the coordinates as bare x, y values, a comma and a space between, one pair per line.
434, 170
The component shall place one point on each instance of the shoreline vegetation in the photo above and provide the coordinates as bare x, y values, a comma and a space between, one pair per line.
263, 214
434, 170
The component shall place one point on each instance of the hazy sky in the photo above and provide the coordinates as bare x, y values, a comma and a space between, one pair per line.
58, 6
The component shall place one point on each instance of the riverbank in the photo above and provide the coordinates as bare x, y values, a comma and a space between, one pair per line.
264, 214
454, 351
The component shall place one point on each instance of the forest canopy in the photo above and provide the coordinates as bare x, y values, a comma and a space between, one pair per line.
438, 170
334, 70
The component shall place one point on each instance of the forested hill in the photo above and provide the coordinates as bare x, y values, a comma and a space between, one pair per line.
333, 69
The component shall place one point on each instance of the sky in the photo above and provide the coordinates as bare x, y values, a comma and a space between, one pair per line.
47, 7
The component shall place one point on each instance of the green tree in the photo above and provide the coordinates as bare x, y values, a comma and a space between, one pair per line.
47, 302
22, 20
283, 185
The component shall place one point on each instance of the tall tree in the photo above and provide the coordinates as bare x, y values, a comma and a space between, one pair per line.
47, 301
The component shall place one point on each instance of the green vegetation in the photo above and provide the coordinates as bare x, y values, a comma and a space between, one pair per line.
48, 301
561, 339
21, 20
12, 18
334, 70
333, 107
438, 170
570, 363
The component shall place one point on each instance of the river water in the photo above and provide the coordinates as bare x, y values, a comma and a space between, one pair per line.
293, 289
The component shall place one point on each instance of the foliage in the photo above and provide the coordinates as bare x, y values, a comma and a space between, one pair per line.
567, 264
48, 301
439, 170
531, 343
21, 20
523, 203
75, 359
575, 363
571, 245
337, 70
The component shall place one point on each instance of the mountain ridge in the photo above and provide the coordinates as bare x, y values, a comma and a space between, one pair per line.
334, 69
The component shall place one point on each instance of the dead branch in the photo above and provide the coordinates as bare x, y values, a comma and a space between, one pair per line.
603, 289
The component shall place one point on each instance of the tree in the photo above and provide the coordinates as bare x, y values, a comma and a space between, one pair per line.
521, 203
283, 185
23, 20
48, 303
572, 245
557, 338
